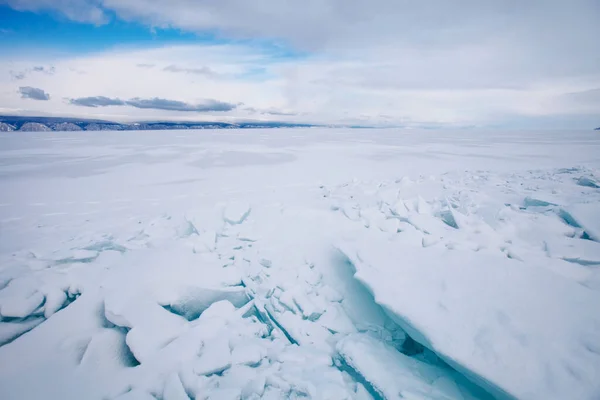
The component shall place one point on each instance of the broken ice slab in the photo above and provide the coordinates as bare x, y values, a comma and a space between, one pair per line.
533, 202
135, 394
215, 356
190, 302
578, 251
186, 229
488, 317
141, 316
10, 330
74, 256
105, 245
588, 182
174, 389
20, 307
236, 213
336, 320
390, 374
55, 300
310, 306
107, 350
247, 353
298, 330
586, 216
205, 242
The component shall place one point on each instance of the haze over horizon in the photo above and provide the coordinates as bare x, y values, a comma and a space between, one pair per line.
377, 63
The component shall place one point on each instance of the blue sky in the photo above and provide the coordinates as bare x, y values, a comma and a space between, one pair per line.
382, 62
22, 31
25, 30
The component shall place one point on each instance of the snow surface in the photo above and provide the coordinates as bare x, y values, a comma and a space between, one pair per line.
276, 264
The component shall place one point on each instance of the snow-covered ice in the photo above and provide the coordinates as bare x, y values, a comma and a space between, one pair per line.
317, 263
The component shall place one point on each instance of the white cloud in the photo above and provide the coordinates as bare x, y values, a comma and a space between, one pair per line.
539, 26
380, 61
118, 75
313, 89
203, 70
76, 10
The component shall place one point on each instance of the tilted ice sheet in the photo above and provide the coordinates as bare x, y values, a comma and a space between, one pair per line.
491, 318
588, 216
394, 375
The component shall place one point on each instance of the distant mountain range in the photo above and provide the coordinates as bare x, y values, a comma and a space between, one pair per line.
42, 124
9, 123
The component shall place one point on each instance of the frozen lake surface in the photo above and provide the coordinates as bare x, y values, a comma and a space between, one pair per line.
293, 263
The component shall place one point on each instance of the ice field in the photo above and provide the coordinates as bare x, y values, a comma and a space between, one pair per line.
300, 263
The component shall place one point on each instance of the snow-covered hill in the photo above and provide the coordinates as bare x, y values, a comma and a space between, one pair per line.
6, 127
34, 127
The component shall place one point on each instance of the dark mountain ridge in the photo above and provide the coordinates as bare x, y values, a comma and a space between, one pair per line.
24, 123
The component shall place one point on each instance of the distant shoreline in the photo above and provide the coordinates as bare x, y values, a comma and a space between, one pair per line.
47, 124
10, 123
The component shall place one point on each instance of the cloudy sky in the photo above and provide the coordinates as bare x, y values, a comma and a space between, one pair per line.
492, 63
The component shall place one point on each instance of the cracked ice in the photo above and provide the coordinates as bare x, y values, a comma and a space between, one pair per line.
325, 264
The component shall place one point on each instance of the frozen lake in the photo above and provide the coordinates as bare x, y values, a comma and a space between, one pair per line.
96, 172
292, 263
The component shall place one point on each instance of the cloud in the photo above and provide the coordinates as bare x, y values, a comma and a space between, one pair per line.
76, 10
196, 71
17, 75
434, 43
382, 84
77, 71
47, 70
317, 24
586, 96
154, 104
144, 65
174, 105
270, 111
96, 101
578, 103
28, 92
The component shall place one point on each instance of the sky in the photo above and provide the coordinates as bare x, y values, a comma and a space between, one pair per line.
431, 63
